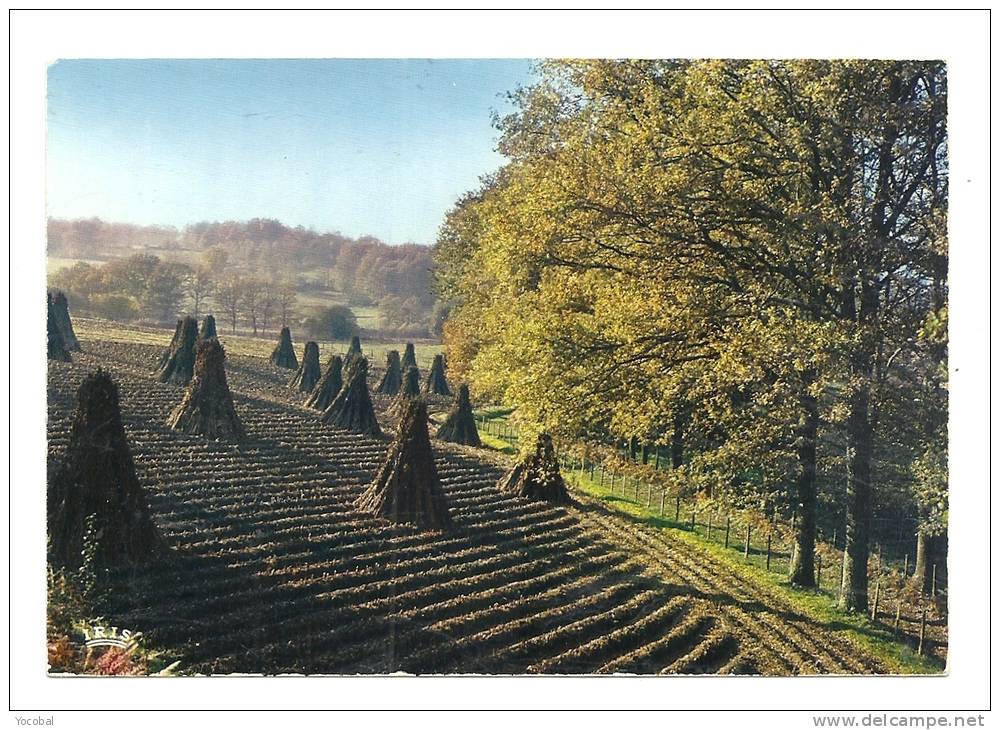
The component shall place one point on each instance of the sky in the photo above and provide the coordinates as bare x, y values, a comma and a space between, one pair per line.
377, 147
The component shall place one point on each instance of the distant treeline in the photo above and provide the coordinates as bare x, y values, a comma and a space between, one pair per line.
397, 279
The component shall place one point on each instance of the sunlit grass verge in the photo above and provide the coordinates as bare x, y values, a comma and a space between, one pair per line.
497, 444
819, 605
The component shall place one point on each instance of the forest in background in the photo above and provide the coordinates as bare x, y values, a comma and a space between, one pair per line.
254, 274
742, 262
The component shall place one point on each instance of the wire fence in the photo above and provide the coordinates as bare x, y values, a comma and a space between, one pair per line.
767, 542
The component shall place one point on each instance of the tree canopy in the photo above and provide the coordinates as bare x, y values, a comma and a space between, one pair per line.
741, 255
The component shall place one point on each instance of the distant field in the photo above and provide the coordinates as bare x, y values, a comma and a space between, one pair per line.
245, 344
56, 264
367, 316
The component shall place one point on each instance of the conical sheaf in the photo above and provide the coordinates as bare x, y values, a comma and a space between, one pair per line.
330, 383
172, 346
207, 328
392, 378
95, 491
352, 355
409, 357
408, 390
436, 383
56, 346
352, 407
308, 374
284, 353
207, 407
460, 425
178, 366
537, 477
406, 488
60, 307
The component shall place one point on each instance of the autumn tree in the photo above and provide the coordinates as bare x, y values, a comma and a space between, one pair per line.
735, 252
250, 301
199, 285
285, 302
229, 295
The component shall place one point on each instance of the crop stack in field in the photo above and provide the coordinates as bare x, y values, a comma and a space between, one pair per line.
308, 373
392, 378
537, 476
284, 354
352, 407
407, 488
409, 357
56, 345
60, 307
408, 390
207, 328
436, 383
207, 407
172, 346
178, 364
460, 425
353, 352
329, 384
97, 477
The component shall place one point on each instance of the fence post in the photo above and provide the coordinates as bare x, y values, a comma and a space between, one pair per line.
746, 549
933, 580
895, 624
602, 476
663, 497
840, 587
906, 566
612, 482
878, 587
768, 563
710, 525
819, 569
677, 508
727, 530
923, 630
649, 495
693, 515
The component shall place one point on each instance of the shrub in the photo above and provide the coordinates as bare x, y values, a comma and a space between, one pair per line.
332, 323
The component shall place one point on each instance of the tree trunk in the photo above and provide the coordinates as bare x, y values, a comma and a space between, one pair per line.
677, 445
929, 553
854, 587
802, 570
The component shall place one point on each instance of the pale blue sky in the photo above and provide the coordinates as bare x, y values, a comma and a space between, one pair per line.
380, 147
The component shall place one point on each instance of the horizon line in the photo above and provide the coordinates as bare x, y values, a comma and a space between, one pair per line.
180, 228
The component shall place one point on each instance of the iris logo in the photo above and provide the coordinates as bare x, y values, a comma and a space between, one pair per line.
97, 635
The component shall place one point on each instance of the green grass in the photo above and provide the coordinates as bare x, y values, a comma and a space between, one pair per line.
818, 605
497, 444
493, 413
